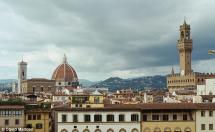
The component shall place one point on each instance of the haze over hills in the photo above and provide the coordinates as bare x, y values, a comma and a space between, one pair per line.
115, 83
139, 83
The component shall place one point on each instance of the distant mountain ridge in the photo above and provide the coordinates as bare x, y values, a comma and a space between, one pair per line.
139, 83
116, 83
3, 81
86, 83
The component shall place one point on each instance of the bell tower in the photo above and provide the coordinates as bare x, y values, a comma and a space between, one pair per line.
185, 46
22, 74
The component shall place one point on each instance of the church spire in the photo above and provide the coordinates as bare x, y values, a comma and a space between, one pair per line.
64, 59
172, 72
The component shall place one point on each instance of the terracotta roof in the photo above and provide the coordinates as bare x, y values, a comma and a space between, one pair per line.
206, 106
147, 106
64, 72
166, 106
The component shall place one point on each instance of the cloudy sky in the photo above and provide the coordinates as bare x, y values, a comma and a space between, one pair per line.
103, 38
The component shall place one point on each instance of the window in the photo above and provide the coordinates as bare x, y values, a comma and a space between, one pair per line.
155, 117
110, 117
96, 100
210, 113
97, 118
34, 117
165, 117
121, 117
202, 113
211, 127
184, 117
144, 117
134, 117
202, 126
75, 118
88, 106
174, 117
38, 117
87, 118
33, 89
39, 126
29, 117
29, 126
16, 121
64, 118
6, 122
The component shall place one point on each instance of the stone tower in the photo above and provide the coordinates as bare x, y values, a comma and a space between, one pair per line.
22, 74
185, 46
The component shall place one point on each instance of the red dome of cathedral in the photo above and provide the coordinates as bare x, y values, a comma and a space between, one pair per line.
65, 73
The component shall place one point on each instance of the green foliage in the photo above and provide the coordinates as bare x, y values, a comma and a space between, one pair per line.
12, 102
39, 106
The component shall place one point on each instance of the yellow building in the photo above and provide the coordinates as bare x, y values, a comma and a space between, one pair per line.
37, 116
186, 80
168, 118
93, 100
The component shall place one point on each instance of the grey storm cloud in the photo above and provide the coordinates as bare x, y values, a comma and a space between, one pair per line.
101, 37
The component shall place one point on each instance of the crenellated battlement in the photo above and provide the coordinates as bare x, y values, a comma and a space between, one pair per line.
192, 74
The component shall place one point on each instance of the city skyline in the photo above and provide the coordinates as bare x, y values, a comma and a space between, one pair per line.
102, 39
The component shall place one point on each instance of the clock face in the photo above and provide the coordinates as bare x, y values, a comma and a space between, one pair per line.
182, 72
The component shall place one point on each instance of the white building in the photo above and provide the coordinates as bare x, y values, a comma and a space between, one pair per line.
97, 120
207, 89
14, 87
205, 120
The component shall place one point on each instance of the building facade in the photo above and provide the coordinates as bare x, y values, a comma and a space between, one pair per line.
37, 117
93, 100
37, 85
11, 116
168, 118
207, 89
154, 117
205, 118
99, 120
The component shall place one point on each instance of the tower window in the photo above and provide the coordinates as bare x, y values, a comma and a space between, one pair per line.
182, 34
41, 88
187, 35
23, 73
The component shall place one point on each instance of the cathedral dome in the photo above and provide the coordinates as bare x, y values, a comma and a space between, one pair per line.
65, 73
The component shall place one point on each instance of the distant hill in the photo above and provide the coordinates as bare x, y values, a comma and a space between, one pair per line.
86, 83
140, 83
6, 84
113, 83
3, 81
